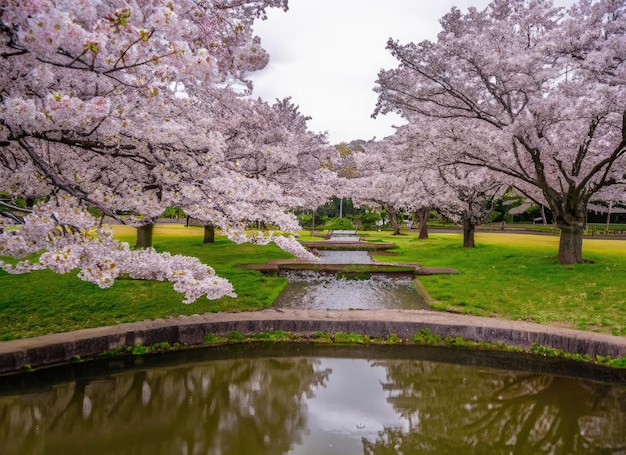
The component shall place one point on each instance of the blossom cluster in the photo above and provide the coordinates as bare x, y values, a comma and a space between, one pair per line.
66, 238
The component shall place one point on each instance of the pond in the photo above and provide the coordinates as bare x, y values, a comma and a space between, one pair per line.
304, 399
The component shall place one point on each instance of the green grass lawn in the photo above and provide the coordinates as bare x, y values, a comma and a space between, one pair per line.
44, 302
517, 276
512, 276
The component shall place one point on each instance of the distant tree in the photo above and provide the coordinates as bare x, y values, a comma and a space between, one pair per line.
470, 195
382, 180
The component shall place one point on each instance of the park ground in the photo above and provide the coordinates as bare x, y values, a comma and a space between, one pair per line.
511, 276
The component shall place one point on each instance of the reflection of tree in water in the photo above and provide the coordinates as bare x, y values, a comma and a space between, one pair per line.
462, 409
229, 407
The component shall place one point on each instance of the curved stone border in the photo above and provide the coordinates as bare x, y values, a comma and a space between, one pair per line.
57, 348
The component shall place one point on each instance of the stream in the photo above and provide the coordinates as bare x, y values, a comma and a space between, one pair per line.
326, 291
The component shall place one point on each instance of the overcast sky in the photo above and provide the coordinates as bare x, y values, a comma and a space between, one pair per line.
326, 55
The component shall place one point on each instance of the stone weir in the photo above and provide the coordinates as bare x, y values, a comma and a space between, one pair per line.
371, 267
354, 245
274, 267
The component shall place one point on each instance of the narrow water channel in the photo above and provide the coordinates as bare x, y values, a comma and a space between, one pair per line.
344, 257
344, 236
326, 291
303, 400
318, 291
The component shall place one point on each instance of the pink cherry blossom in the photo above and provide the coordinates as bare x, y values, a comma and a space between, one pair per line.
129, 108
532, 92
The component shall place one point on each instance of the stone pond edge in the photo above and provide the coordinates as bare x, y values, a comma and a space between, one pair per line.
48, 350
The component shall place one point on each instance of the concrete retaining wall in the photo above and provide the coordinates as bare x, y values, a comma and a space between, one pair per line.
16, 355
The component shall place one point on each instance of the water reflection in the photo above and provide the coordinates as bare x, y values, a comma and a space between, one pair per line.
247, 406
318, 291
489, 411
351, 407
399, 401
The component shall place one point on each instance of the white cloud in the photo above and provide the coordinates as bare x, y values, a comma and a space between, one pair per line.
326, 55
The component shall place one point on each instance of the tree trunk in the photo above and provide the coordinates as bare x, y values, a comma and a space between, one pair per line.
570, 215
571, 244
468, 234
209, 233
144, 236
393, 217
422, 218
608, 218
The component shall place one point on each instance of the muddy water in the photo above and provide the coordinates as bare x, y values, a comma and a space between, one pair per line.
306, 400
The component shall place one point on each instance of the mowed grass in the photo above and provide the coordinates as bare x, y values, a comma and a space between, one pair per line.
517, 276
512, 276
43, 302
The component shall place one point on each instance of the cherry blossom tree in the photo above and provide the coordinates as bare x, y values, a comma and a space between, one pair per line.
468, 197
464, 194
407, 172
270, 148
421, 167
381, 180
107, 105
273, 142
533, 92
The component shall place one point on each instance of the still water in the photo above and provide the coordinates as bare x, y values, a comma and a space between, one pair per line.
346, 236
344, 257
302, 399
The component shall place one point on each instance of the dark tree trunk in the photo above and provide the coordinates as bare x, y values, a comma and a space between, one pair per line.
393, 218
570, 215
422, 219
144, 236
571, 244
209, 233
468, 234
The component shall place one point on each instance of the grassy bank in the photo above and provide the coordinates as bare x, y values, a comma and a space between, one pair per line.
512, 276
517, 276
